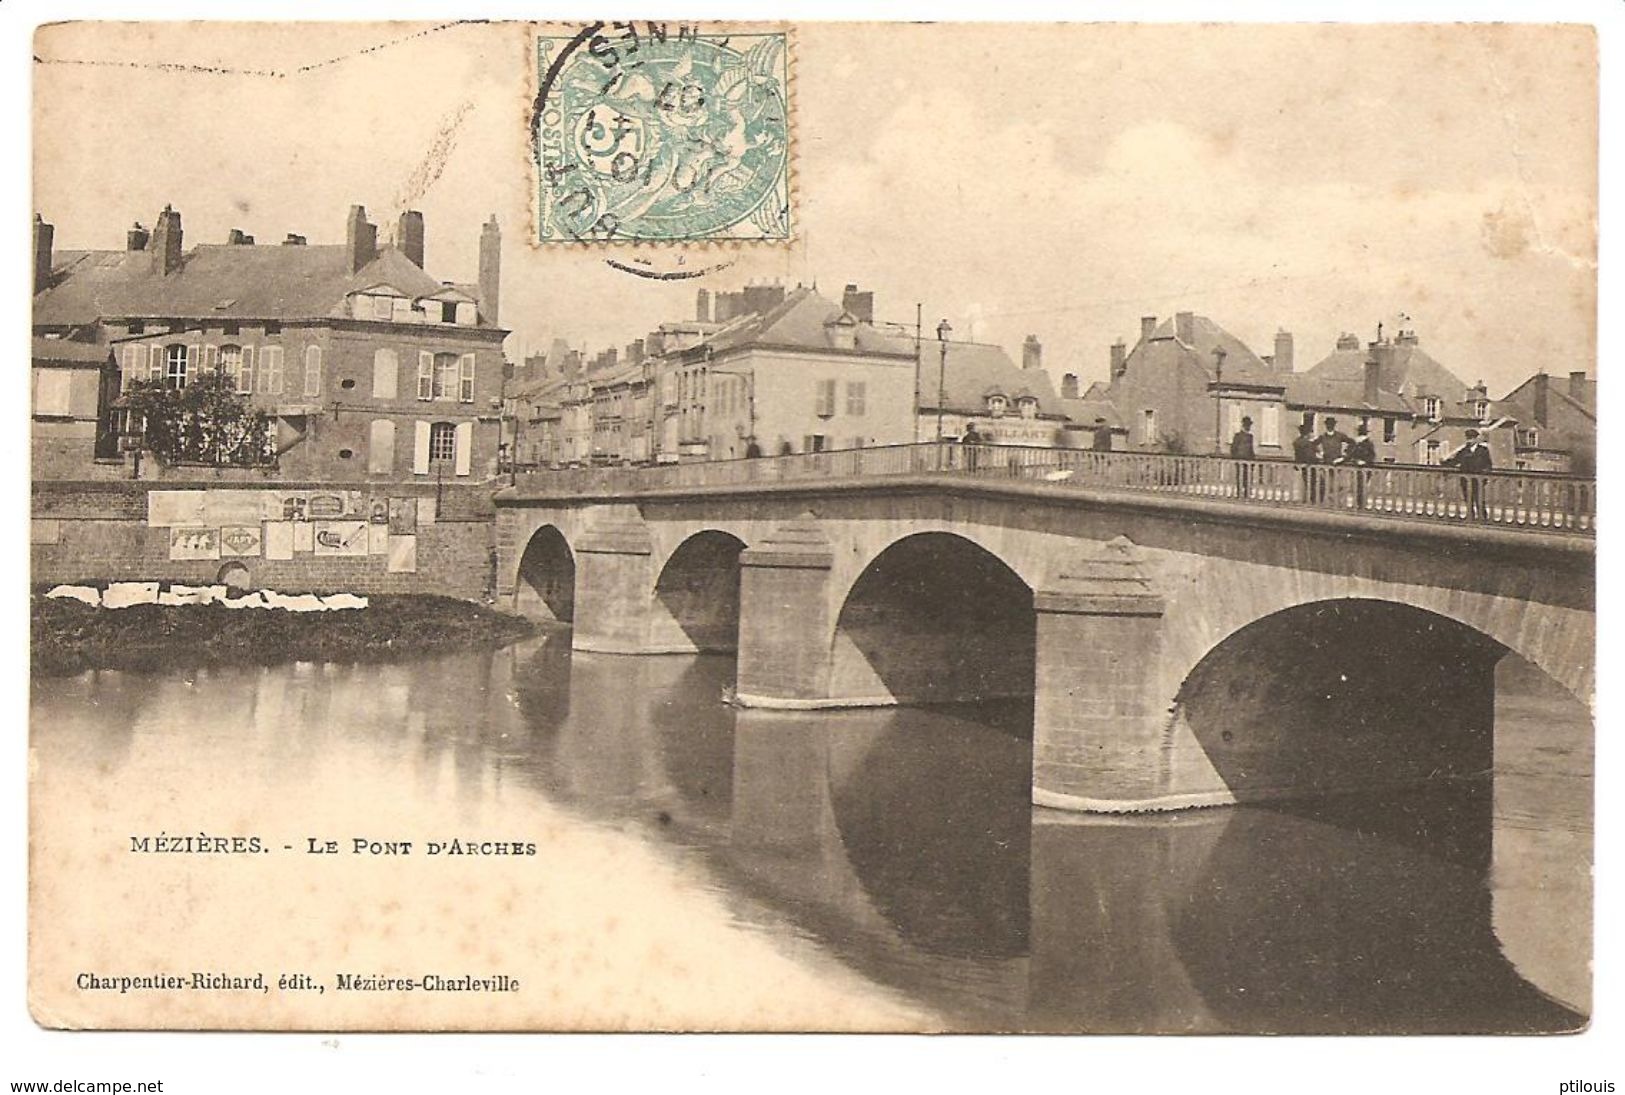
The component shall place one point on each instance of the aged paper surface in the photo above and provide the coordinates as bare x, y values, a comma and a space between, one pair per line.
559, 834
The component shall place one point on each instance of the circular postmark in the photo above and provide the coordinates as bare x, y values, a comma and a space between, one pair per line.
657, 132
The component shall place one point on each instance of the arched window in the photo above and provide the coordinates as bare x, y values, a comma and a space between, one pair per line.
1028, 406
442, 443
995, 405
175, 363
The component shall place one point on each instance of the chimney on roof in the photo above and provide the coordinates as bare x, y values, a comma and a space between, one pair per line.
702, 306
860, 304
1406, 338
1148, 326
761, 299
166, 243
235, 237
1541, 398
1577, 386
491, 270
1379, 369
1283, 351
1348, 341
360, 238
634, 352
44, 236
1069, 386
293, 239
1119, 359
409, 237
136, 238
1185, 327
1032, 353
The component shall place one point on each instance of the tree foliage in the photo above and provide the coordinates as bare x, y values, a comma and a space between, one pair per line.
206, 422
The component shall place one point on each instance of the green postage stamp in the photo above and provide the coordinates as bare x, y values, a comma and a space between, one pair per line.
663, 132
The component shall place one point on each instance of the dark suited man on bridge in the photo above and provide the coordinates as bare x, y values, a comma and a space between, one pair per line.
1472, 460
1306, 453
1241, 448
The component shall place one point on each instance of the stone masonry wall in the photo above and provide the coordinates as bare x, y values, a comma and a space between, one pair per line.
92, 531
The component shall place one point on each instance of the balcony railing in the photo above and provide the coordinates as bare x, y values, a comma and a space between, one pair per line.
1546, 502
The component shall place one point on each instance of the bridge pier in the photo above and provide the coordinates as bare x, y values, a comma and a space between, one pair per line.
615, 576
1098, 721
784, 618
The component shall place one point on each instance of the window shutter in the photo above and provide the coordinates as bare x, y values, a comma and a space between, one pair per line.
465, 387
420, 450
381, 447
386, 369
132, 363
313, 370
211, 358
156, 369
245, 372
425, 375
465, 446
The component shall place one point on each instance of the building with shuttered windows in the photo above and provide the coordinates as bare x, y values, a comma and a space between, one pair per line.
370, 369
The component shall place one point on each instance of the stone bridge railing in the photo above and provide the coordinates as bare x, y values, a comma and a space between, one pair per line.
1536, 501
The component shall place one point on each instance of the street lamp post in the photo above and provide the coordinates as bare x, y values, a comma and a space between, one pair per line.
943, 331
1218, 400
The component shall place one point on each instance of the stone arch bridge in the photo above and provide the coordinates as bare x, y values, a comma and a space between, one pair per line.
1180, 651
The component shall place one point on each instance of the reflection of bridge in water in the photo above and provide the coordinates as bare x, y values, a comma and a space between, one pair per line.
903, 841
1194, 631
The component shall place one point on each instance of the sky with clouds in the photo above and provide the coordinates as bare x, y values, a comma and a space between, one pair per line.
1061, 180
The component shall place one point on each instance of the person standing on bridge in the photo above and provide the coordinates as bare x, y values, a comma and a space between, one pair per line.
1362, 454
1241, 448
970, 439
1306, 454
1333, 443
1103, 436
1473, 460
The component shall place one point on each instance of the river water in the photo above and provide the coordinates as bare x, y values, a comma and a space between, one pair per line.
702, 866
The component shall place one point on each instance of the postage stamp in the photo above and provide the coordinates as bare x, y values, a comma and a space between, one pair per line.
664, 133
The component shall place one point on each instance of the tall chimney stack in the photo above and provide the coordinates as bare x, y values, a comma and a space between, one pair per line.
166, 243
409, 236
1283, 351
44, 236
1185, 327
1069, 386
860, 304
491, 270
1032, 353
360, 238
1148, 325
1373, 380
1577, 386
702, 306
136, 238
1119, 359
1542, 381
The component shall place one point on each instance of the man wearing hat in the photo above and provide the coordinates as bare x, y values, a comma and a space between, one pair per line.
1472, 460
1241, 448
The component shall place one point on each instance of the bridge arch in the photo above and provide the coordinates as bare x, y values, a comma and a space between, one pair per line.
933, 617
696, 594
1223, 598
1334, 695
545, 589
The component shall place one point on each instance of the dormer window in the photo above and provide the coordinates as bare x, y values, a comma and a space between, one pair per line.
996, 405
448, 311
1431, 406
1481, 409
1028, 406
383, 308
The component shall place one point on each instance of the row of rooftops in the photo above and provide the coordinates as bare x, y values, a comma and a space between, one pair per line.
156, 277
